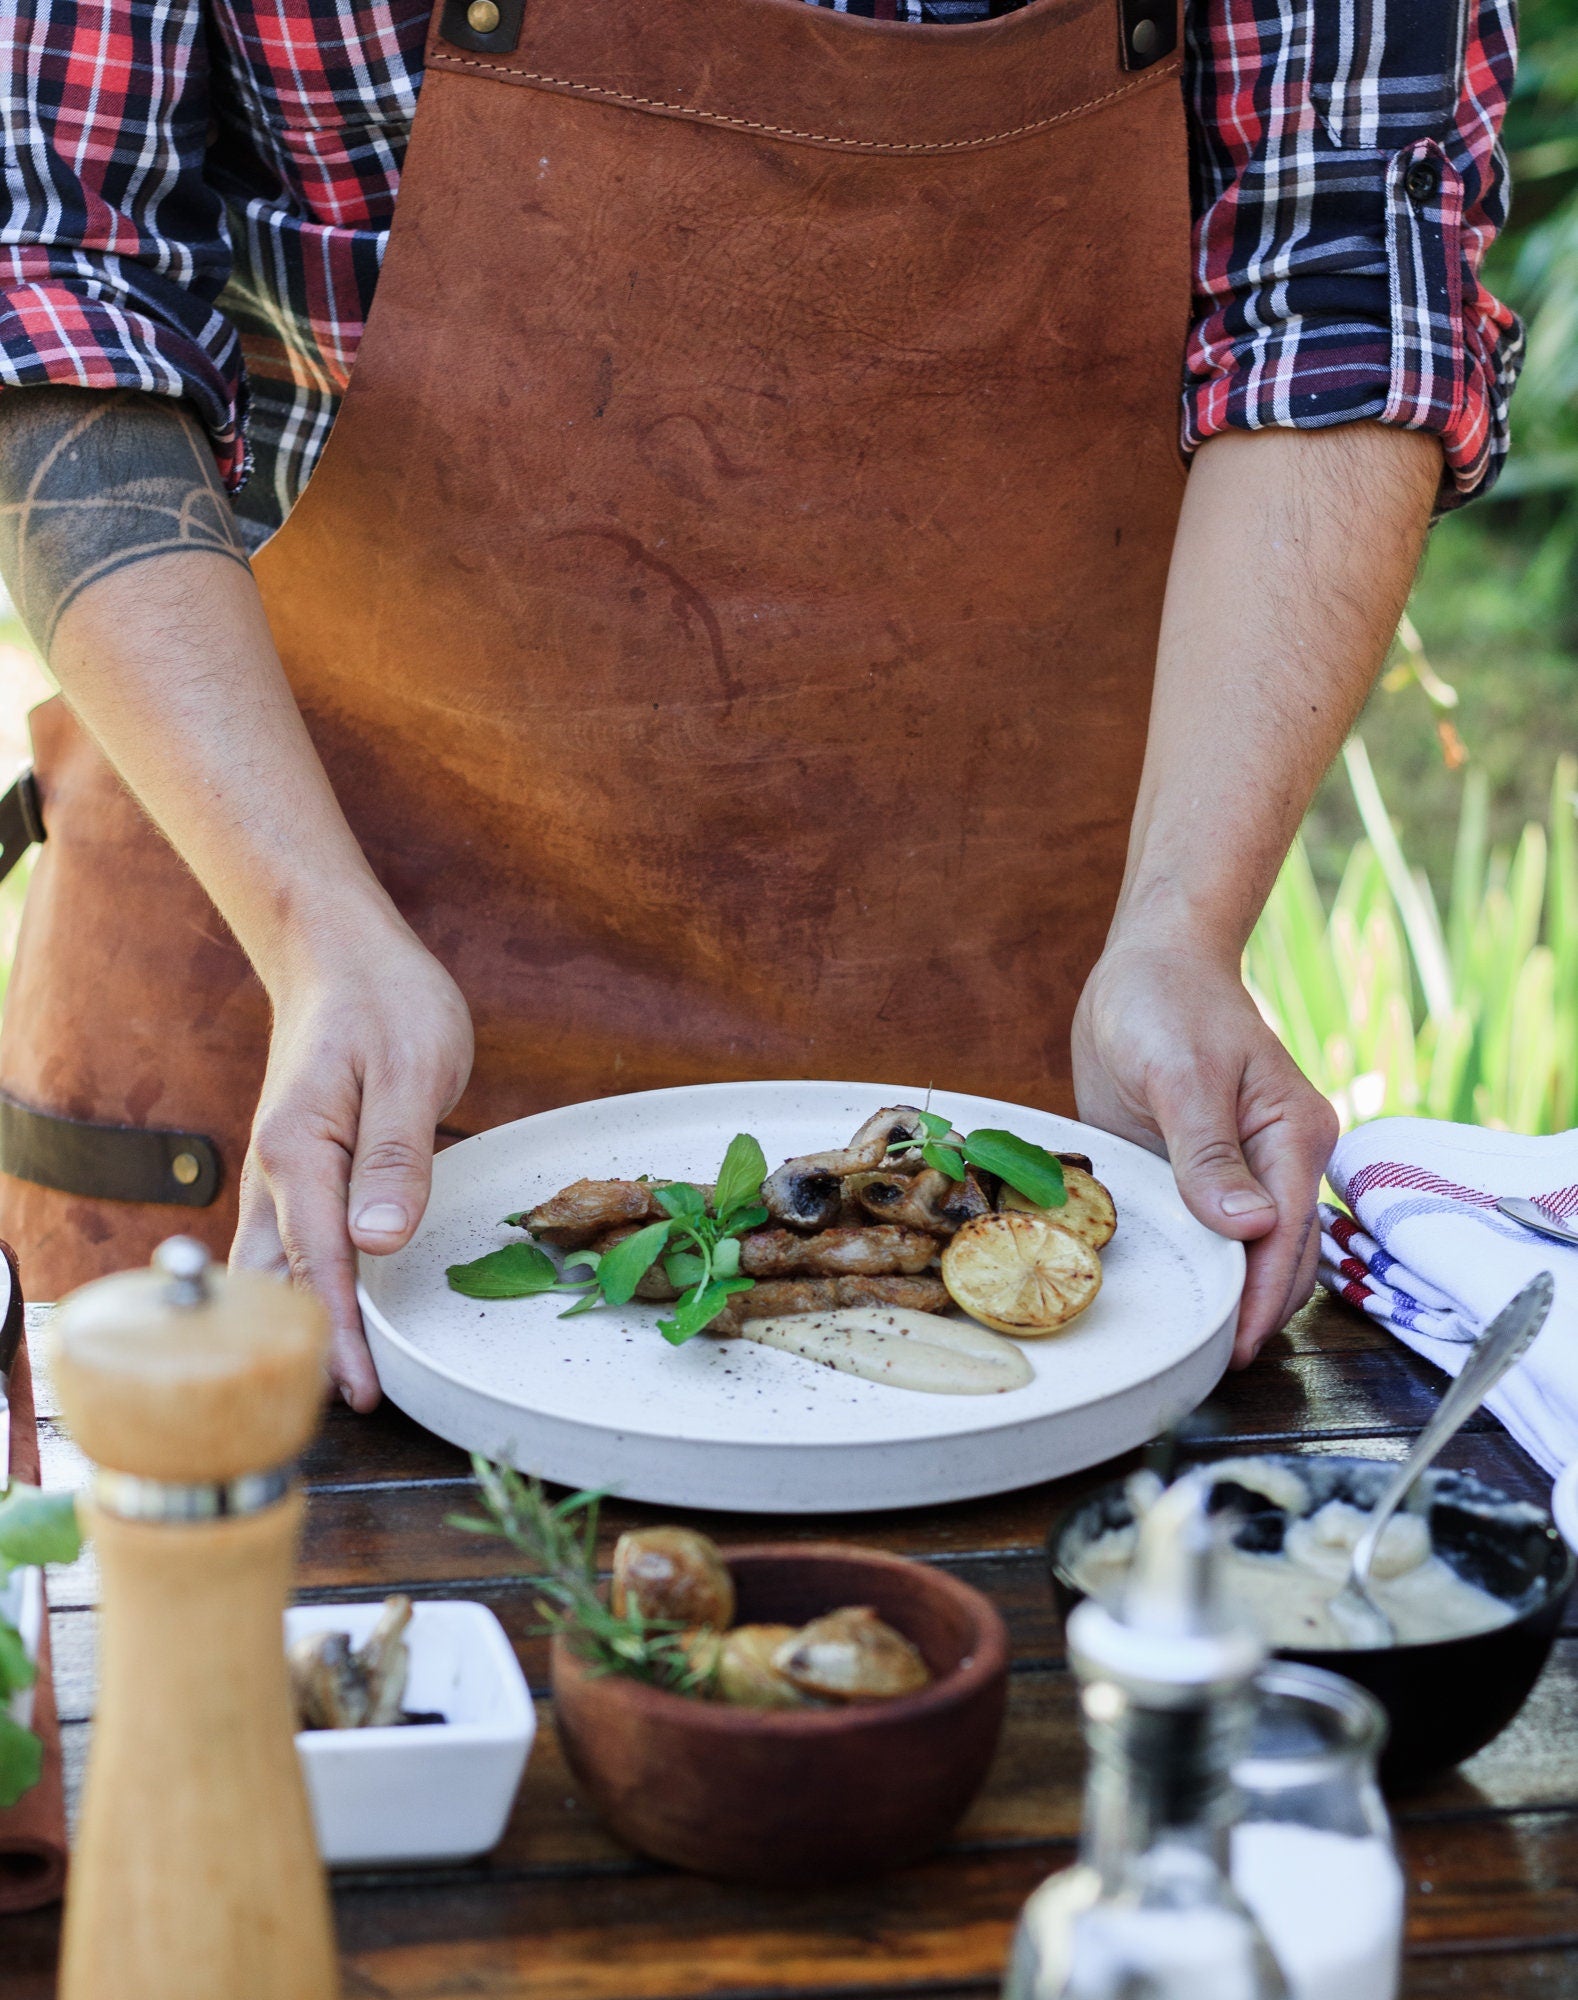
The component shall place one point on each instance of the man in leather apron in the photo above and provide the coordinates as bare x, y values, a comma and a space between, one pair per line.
718, 641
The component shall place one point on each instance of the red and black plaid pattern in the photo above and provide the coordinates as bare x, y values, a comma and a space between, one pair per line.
198, 194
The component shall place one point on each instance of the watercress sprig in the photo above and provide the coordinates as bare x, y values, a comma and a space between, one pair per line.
1031, 1169
35, 1527
698, 1242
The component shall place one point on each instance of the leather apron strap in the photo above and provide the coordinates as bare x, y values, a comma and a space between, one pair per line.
727, 603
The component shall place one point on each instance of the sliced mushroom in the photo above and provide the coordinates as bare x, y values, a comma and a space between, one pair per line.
804, 1193
802, 1196
673, 1575
323, 1679
876, 1250
338, 1687
385, 1662
929, 1200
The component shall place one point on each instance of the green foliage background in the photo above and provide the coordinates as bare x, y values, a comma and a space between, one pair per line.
1496, 606
1420, 953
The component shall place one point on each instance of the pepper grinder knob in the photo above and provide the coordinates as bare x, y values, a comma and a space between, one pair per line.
189, 1373
196, 1874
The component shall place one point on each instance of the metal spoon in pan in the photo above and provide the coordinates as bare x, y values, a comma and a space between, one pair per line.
1503, 1341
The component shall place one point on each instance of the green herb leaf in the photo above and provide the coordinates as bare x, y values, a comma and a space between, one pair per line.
623, 1267
518, 1271
1025, 1166
16, 1669
726, 1258
587, 1260
699, 1308
740, 1177
683, 1268
38, 1527
589, 1303
748, 1218
681, 1200
936, 1126
515, 1221
21, 1760
944, 1160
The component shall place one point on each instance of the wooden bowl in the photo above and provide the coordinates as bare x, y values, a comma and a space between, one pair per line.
789, 1796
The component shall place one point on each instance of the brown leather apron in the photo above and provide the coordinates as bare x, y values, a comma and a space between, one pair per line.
726, 605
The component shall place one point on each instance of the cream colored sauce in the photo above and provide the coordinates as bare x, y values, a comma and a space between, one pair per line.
1288, 1597
904, 1349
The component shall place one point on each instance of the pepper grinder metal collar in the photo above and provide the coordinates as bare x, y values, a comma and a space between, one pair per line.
196, 1874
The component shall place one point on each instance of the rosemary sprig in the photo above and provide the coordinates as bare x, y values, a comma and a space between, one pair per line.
557, 1541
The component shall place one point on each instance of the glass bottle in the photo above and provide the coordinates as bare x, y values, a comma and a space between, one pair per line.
1314, 1838
1148, 1912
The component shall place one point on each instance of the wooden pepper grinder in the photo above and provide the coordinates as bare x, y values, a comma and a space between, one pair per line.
195, 1875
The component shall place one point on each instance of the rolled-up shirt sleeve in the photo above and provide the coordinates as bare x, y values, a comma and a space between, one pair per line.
1348, 180
113, 248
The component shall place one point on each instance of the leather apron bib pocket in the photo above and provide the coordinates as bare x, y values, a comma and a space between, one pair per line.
727, 603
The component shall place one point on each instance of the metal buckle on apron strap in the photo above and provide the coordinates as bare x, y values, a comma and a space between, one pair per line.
107, 1162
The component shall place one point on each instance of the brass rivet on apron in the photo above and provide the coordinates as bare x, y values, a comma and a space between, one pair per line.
184, 1166
1143, 40
482, 16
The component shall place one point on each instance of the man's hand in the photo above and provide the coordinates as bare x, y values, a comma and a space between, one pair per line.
1294, 557
121, 551
371, 1046
1170, 1051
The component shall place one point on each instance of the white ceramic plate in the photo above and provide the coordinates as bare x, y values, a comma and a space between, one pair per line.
604, 1401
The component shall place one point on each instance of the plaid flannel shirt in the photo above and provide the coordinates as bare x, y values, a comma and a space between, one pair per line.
198, 194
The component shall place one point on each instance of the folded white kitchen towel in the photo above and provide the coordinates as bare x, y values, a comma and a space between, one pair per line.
1424, 1250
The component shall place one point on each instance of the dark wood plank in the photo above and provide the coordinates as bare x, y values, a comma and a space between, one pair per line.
1033, 1793
1493, 1973
656, 1936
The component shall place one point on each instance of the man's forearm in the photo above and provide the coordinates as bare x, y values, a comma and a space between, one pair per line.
119, 547
1294, 558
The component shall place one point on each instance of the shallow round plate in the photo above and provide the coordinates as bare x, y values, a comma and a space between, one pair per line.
604, 1401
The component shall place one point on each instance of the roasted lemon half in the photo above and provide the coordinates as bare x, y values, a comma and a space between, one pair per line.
1020, 1273
1088, 1213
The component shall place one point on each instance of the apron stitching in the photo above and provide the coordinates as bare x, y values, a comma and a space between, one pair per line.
788, 131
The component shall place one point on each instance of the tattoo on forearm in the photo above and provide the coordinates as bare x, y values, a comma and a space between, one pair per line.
92, 482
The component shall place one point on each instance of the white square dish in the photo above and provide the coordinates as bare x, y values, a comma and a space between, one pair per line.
425, 1791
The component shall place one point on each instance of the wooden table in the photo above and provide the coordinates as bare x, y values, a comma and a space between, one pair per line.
561, 1912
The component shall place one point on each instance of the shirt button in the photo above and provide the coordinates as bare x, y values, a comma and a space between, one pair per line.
1422, 180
